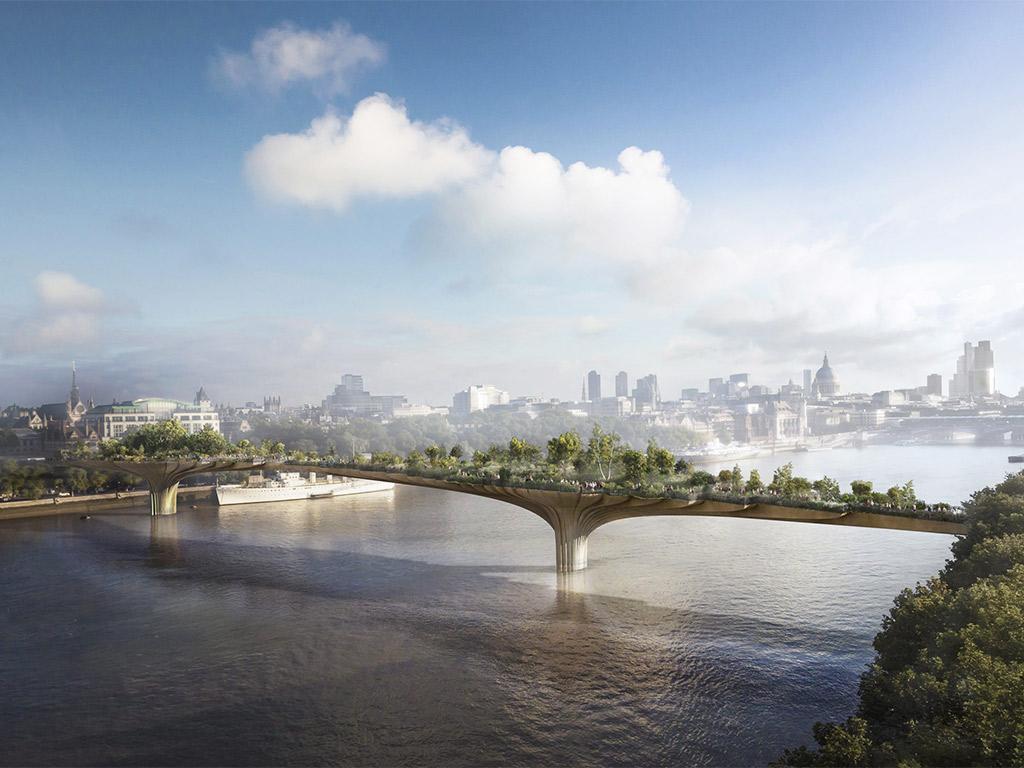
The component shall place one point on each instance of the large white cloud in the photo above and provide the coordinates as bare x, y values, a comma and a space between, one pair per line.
377, 152
286, 54
515, 198
631, 215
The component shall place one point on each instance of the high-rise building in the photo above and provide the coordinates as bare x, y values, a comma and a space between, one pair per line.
352, 382
477, 397
934, 386
350, 399
717, 387
621, 384
975, 372
808, 373
593, 386
645, 393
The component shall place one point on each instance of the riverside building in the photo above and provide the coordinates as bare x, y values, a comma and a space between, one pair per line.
116, 419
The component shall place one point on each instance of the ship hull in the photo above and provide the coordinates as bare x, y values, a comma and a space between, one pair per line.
238, 494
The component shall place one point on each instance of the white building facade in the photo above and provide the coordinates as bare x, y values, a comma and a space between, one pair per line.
117, 419
478, 397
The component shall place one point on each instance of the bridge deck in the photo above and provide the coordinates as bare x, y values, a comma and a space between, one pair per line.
572, 515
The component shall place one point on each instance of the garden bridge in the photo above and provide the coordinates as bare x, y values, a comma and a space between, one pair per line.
572, 515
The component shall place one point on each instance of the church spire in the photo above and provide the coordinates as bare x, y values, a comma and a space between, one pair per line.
74, 398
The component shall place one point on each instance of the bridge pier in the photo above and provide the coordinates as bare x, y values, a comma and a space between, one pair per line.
570, 551
163, 499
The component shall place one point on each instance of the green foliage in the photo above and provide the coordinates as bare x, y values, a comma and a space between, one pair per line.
659, 460
520, 450
861, 488
947, 683
827, 489
634, 466
34, 481
386, 459
754, 485
781, 480
798, 488
902, 496
603, 450
565, 448
736, 480
700, 479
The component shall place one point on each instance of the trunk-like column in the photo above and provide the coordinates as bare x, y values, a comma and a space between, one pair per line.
163, 499
570, 551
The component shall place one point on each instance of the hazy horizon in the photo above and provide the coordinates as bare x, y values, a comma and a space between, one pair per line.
260, 198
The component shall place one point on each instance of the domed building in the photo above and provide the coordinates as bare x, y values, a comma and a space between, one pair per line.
825, 382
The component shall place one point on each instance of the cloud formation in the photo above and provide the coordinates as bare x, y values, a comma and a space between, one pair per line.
630, 215
513, 199
61, 291
67, 313
377, 152
284, 55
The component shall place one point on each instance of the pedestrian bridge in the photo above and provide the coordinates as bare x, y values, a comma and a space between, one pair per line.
572, 515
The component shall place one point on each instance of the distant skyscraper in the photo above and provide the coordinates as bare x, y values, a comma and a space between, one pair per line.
934, 384
646, 394
352, 382
975, 371
621, 384
808, 373
593, 386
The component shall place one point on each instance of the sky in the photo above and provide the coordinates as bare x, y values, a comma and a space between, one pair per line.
259, 198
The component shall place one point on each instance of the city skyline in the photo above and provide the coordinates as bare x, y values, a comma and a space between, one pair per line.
854, 196
646, 390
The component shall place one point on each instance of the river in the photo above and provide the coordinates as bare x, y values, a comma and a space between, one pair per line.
422, 627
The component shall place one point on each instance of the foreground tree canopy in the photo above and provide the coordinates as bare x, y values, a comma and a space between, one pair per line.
946, 687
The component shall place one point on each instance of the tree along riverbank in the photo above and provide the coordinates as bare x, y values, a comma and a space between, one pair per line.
128, 501
946, 686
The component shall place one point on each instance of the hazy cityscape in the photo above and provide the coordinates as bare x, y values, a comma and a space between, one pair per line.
512, 384
733, 418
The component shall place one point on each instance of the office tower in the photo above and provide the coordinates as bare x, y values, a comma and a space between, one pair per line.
621, 384
646, 394
593, 386
975, 372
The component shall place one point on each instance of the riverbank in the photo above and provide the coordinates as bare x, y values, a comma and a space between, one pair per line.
99, 502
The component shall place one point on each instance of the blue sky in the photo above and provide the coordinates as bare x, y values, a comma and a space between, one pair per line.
808, 176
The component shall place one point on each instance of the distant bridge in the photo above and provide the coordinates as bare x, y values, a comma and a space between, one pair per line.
573, 516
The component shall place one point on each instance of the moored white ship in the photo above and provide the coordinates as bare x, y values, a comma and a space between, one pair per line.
292, 486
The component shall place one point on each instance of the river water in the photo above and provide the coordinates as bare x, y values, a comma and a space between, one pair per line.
419, 627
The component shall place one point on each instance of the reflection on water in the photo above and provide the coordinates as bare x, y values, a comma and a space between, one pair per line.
425, 627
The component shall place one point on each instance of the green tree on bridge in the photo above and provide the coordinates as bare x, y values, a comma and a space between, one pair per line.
565, 449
